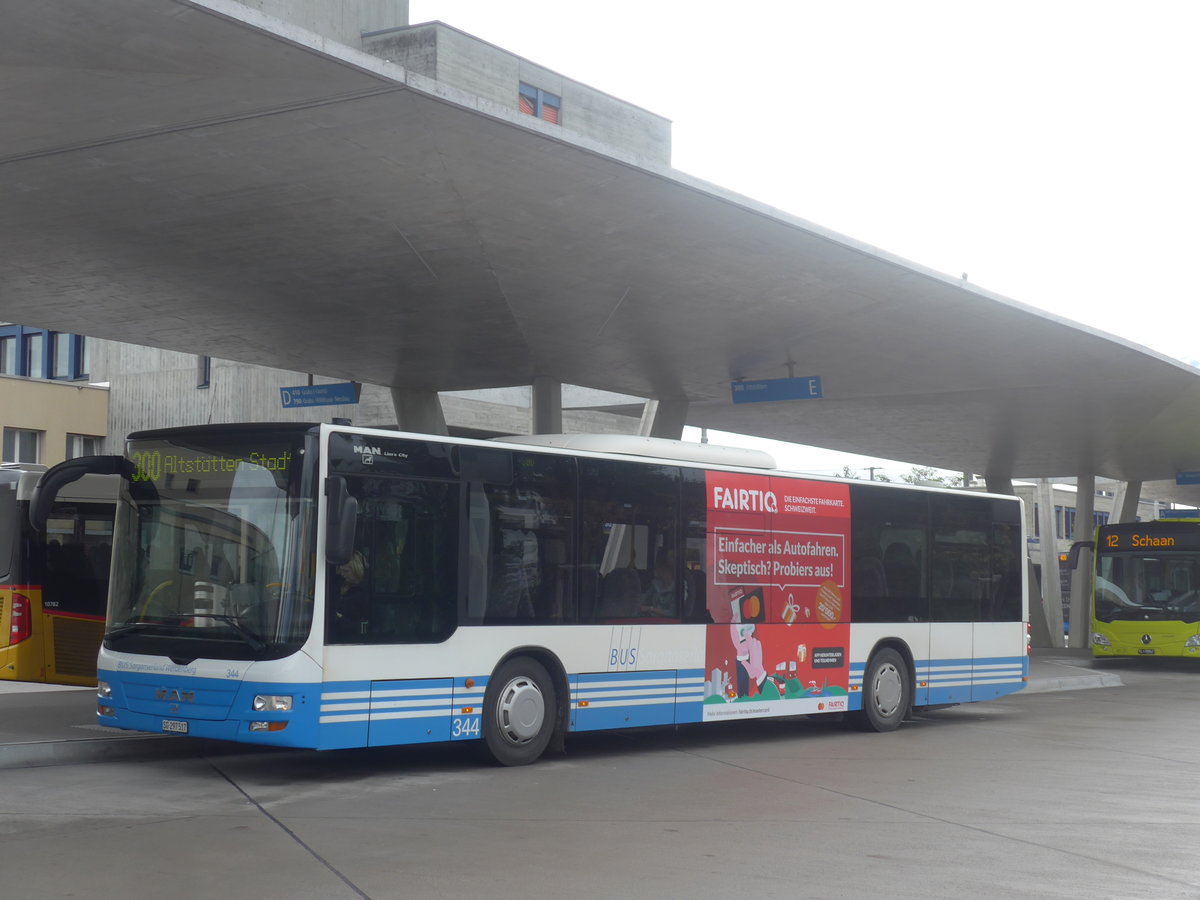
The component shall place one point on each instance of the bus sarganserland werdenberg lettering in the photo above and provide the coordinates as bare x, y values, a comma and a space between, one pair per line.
331, 587
53, 585
1146, 589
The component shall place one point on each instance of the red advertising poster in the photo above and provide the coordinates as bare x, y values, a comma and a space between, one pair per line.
779, 595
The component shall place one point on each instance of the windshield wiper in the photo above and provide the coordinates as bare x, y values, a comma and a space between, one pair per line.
255, 642
122, 630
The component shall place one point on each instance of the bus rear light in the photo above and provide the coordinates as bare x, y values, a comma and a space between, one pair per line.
22, 621
268, 726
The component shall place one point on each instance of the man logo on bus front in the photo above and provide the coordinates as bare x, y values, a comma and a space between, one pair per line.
175, 696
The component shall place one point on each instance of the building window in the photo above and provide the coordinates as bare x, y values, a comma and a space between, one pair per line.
8, 354
82, 355
83, 445
21, 445
60, 355
203, 371
37, 353
540, 104
33, 365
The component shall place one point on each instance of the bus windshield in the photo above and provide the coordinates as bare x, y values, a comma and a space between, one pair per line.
215, 551
1152, 585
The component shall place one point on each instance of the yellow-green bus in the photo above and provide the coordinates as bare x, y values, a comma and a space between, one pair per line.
1146, 589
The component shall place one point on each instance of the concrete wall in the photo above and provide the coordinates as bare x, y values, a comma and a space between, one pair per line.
56, 409
465, 63
341, 20
151, 388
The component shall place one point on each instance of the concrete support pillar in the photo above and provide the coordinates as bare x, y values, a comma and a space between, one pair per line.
419, 411
1125, 503
1039, 631
1081, 577
664, 418
1048, 551
999, 485
545, 409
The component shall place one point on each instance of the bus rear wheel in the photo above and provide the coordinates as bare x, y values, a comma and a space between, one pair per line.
519, 712
886, 692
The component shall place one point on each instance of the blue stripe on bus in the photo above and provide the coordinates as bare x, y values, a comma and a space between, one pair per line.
404, 711
601, 700
365, 713
956, 680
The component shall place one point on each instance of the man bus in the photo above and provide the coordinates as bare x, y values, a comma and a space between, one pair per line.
331, 587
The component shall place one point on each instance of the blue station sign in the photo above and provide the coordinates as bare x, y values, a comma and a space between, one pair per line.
319, 394
767, 390
1187, 477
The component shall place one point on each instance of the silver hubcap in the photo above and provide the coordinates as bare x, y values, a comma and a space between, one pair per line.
521, 710
887, 689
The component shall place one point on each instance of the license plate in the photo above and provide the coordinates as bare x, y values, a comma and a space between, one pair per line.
174, 727
1143, 651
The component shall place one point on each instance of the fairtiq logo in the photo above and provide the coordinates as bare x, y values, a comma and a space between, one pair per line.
744, 499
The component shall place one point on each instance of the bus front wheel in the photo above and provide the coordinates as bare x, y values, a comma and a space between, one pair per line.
519, 712
886, 692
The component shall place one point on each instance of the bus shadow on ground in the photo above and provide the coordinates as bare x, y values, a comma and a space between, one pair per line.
1148, 664
801, 733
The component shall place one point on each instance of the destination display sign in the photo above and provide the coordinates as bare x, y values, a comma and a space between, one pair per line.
770, 389
1152, 536
319, 395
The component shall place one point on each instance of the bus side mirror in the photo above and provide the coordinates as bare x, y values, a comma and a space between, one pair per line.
342, 519
56, 477
1073, 554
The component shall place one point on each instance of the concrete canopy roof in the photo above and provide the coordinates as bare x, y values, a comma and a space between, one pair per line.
178, 178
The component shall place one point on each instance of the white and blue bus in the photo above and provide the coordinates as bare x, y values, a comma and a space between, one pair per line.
327, 587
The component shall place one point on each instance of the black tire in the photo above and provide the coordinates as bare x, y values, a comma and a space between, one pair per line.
520, 712
886, 692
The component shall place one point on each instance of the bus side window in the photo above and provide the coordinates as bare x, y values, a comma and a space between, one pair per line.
520, 539
629, 535
888, 548
401, 583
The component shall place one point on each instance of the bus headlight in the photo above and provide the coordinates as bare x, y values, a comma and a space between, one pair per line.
103, 690
1193, 641
1100, 640
272, 702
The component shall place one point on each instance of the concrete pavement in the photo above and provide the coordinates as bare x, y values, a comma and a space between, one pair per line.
45, 725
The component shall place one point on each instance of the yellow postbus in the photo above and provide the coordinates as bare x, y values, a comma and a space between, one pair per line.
53, 585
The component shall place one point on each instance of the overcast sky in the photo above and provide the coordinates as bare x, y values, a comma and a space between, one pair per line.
1049, 150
